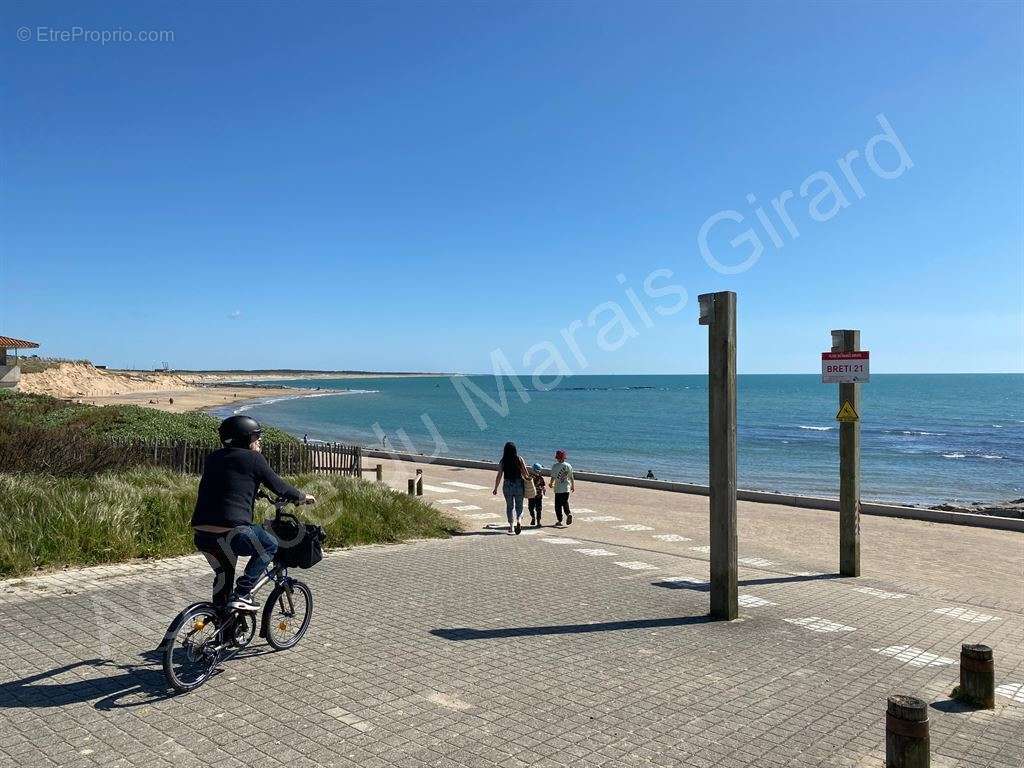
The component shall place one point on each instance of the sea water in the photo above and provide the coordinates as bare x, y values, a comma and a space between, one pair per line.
925, 438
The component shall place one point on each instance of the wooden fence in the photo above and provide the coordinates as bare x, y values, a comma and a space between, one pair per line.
286, 459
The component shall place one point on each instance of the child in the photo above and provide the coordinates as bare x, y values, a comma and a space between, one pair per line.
537, 502
564, 484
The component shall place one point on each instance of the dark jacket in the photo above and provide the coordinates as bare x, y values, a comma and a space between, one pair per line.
227, 490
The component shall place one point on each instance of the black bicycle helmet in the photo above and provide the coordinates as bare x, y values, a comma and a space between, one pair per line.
239, 431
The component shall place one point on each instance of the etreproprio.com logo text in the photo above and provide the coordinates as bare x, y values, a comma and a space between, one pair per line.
100, 36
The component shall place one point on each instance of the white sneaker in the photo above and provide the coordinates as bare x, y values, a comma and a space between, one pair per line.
243, 603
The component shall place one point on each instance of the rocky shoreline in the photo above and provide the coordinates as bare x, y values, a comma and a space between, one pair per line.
1013, 508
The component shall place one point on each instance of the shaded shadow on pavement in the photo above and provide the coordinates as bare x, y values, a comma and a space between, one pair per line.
953, 706
706, 587
468, 633
136, 685
144, 684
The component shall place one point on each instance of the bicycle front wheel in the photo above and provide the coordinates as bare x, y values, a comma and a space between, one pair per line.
191, 655
287, 613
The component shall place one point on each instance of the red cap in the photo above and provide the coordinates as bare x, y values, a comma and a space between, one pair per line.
559, 455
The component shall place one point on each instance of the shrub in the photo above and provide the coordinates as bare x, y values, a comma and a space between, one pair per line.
114, 516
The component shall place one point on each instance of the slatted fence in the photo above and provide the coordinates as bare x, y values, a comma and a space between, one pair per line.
286, 459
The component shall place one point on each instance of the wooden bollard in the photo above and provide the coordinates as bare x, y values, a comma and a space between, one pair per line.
412, 487
906, 733
380, 473
419, 482
977, 677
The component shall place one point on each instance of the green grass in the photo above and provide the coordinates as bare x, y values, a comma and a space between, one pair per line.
36, 364
18, 409
50, 522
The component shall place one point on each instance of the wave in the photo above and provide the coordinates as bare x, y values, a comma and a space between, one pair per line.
815, 429
954, 455
920, 432
597, 389
271, 400
990, 456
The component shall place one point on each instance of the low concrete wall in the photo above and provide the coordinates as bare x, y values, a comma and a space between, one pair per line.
10, 375
763, 497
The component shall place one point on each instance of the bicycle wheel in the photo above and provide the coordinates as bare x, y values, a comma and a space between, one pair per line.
191, 655
287, 613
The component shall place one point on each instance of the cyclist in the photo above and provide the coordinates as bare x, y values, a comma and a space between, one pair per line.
222, 520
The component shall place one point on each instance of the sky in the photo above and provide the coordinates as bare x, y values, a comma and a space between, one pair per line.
436, 186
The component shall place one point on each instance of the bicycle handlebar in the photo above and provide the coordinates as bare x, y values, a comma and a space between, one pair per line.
279, 502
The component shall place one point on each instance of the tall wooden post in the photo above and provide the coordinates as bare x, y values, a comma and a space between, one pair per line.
849, 464
718, 312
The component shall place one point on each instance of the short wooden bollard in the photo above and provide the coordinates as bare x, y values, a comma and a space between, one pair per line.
977, 677
906, 733
419, 482
380, 473
412, 486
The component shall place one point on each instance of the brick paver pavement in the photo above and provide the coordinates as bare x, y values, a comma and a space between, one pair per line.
581, 646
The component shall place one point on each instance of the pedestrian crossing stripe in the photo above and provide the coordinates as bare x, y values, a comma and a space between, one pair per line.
846, 413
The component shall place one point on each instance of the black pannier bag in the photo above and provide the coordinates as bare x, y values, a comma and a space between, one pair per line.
299, 544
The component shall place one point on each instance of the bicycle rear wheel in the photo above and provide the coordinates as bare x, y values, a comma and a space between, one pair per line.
287, 614
191, 655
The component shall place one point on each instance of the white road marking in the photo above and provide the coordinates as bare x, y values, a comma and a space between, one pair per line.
966, 615
483, 515
881, 593
468, 508
669, 537
584, 511
755, 561
470, 486
818, 624
595, 552
597, 518
750, 601
686, 580
1013, 691
559, 540
529, 532
915, 657
634, 527
449, 501
705, 550
806, 573
435, 488
636, 565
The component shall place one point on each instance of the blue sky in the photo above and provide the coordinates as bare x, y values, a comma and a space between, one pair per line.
411, 186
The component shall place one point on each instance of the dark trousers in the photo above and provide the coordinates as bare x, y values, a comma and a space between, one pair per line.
561, 505
536, 505
222, 551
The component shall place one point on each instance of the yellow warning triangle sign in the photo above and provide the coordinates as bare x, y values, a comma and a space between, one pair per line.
846, 413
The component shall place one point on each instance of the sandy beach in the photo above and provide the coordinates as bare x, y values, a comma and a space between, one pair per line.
193, 399
171, 392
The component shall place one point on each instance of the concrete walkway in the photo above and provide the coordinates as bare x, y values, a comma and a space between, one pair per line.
580, 646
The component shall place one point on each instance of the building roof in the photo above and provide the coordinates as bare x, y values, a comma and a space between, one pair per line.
6, 342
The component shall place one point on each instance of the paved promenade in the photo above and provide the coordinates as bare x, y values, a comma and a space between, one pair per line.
579, 646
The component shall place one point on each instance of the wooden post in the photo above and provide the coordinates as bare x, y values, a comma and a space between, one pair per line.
412, 486
380, 473
718, 312
419, 482
906, 733
977, 677
849, 464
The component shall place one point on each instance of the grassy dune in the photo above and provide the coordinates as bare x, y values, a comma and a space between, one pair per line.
19, 410
51, 521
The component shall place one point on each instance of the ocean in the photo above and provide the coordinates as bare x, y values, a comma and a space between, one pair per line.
925, 438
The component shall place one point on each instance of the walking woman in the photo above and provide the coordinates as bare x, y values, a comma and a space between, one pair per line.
513, 469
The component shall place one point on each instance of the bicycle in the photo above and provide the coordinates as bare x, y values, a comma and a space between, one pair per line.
203, 635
